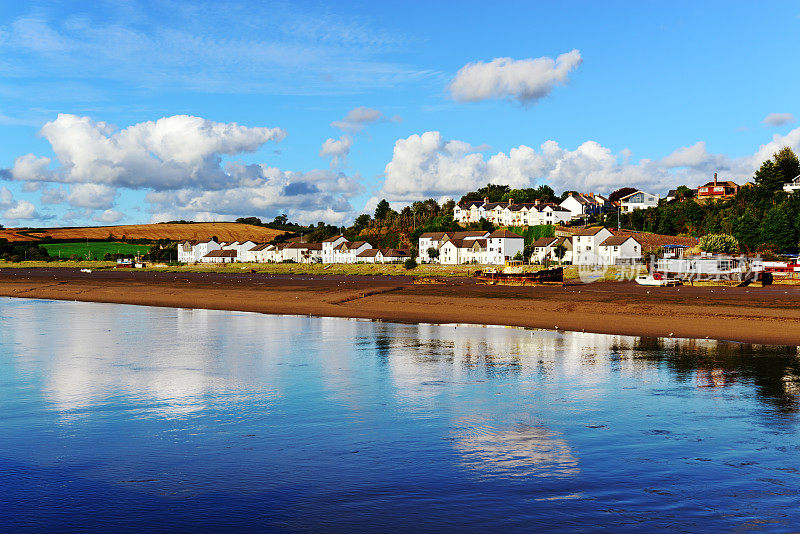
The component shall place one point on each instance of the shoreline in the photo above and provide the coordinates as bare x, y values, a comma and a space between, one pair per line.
769, 315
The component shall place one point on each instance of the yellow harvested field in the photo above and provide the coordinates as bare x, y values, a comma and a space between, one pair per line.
224, 231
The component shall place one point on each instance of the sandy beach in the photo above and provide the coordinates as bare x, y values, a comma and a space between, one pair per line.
769, 315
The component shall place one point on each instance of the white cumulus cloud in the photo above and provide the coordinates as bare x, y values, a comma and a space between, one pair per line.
92, 196
336, 149
108, 216
178, 162
523, 80
428, 165
305, 197
778, 119
172, 152
15, 210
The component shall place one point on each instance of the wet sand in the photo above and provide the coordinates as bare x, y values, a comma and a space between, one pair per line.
769, 315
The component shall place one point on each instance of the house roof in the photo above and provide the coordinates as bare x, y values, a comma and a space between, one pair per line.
221, 254
505, 234
395, 253
584, 198
305, 246
554, 207
369, 253
357, 244
259, 247
458, 243
617, 240
590, 231
726, 183
658, 240
334, 238
436, 236
634, 193
467, 234
544, 241
471, 203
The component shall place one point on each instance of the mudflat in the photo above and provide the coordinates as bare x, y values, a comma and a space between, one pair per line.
768, 315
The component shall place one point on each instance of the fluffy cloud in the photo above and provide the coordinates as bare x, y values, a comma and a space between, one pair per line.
108, 216
169, 153
178, 161
305, 197
358, 118
778, 119
524, 80
15, 210
336, 149
92, 196
428, 165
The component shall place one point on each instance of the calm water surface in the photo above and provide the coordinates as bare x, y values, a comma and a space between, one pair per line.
123, 418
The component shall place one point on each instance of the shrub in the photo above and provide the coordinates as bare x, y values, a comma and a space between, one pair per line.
410, 263
719, 244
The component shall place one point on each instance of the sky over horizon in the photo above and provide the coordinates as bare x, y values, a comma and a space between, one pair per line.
127, 112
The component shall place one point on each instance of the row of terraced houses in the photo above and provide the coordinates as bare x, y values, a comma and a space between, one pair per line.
334, 250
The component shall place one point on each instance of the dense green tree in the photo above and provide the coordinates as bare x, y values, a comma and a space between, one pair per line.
362, 221
382, 210
621, 192
493, 192
777, 230
747, 231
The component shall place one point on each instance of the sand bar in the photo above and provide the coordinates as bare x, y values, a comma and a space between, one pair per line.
769, 315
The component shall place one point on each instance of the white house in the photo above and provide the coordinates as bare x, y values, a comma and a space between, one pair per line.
546, 213
243, 247
329, 245
347, 252
371, 255
503, 245
513, 214
395, 255
437, 239
219, 256
449, 252
794, 185
586, 245
256, 254
638, 201
194, 251
544, 249
579, 204
427, 241
474, 251
302, 252
620, 249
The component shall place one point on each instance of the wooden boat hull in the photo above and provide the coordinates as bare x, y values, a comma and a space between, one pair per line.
547, 276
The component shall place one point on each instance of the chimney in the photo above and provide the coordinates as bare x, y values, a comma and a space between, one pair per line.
715, 179
485, 200
537, 201
510, 201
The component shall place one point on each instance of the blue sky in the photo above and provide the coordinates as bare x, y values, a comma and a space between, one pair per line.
129, 112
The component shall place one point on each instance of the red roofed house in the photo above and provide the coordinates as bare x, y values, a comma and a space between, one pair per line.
717, 190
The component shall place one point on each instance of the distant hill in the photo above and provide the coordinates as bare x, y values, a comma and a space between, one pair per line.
224, 231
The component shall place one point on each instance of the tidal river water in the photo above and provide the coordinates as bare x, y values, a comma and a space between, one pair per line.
122, 418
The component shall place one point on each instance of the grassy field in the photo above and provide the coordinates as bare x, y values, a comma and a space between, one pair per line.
95, 250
